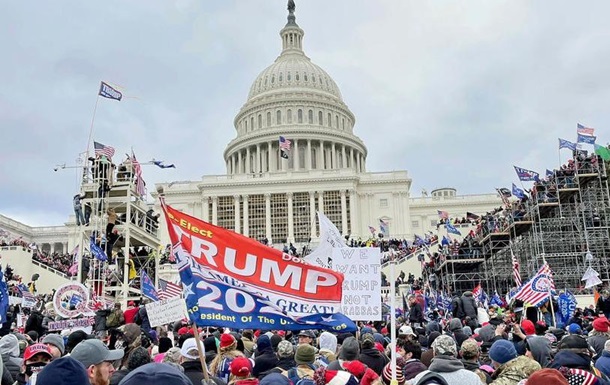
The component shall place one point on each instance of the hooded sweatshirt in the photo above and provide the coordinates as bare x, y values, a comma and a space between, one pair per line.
9, 350
265, 356
451, 369
328, 347
541, 349
455, 327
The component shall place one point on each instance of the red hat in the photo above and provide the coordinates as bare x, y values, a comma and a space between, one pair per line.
546, 377
32, 350
601, 324
379, 347
384, 331
226, 340
183, 330
131, 303
528, 327
241, 367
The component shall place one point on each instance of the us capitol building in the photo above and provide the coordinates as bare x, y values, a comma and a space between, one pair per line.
264, 195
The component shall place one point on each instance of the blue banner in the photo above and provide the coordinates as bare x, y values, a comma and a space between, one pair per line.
147, 287
97, 251
108, 92
526, 175
567, 144
216, 300
566, 307
519, 193
451, 229
589, 139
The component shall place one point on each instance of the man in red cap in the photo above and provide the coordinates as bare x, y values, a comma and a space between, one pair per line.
35, 358
130, 312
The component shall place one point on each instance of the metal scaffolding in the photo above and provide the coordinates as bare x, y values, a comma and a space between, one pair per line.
566, 218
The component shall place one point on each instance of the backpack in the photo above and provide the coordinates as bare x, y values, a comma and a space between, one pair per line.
293, 376
432, 378
115, 319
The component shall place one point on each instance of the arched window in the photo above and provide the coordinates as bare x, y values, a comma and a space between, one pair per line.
300, 116
310, 117
337, 121
268, 119
272, 79
251, 124
305, 77
266, 78
278, 117
246, 124
313, 78
314, 159
296, 76
260, 120
281, 76
288, 77
320, 118
330, 120
343, 123
289, 116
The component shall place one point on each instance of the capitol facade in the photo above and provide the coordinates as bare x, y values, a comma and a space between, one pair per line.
266, 196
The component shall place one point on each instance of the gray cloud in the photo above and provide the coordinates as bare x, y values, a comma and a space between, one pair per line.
455, 92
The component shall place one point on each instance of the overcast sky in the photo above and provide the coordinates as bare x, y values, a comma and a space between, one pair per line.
455, 92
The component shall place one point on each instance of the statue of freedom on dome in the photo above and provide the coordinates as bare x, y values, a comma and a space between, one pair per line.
291, 6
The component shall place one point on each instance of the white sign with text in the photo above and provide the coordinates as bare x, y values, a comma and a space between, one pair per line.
361, 268
166, 311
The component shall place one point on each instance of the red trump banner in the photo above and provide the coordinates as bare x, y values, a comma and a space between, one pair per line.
292, 284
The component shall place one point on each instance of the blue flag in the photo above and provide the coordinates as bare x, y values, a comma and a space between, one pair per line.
419, 240
445, 241
97, 251
4, 301
526, 175
589, 139
159, 163
519, 193
211, 300
108, 92
451, 229
147, 287
566, 307
567, 144
496, 300
549, 173
75, 300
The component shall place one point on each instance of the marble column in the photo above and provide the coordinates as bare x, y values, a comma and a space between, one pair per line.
357, 161
237, 216
343, 156
269, 152
333, 156
205, 208
312, 213
248, 165
246, 231
290, 218
308, 155
214, 210
268, 216
259, 166
239, 162
295, 156
344, 229
321, 156
321, 201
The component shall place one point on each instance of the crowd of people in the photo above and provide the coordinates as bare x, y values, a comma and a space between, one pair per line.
459, 347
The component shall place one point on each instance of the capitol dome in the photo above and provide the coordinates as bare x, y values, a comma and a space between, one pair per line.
297, 100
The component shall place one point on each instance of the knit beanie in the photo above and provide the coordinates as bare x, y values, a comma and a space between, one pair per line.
164, 344
601, 324
227, 342
502, 351
386, 375
55, 340
547, 377
275, 341
305, 354
285, 349
350, 349
63, 371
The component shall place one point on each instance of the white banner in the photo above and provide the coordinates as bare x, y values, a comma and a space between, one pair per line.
330, 238
361, 268
166, 311
76, 324
28, 301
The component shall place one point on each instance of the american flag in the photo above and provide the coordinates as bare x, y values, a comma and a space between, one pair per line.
285, 147
516, 273
443, 214
137, 171
372, 230
537, 290
168, 289
580, 129
101, 149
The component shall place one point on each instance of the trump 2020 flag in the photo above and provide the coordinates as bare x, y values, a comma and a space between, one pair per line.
233, 281
526, 175
147, 287
451, 229
108, 92
588, 139
97, 251
519, 193
537, 290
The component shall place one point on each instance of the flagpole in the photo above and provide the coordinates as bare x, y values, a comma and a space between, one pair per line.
393, 317
204, 367
97, 99
550, 295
